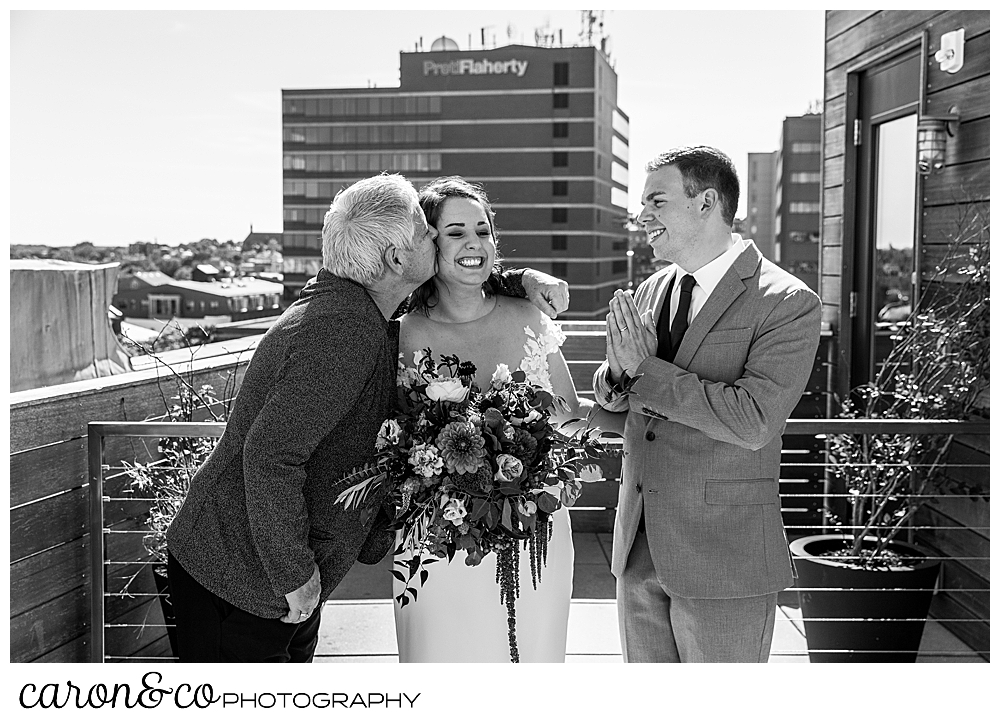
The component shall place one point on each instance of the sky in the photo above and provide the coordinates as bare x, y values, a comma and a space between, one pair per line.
166, 125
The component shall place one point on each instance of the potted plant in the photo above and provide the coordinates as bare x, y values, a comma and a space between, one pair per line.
163, 482
937, 369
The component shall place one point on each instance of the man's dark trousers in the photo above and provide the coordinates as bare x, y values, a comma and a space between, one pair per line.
211, 630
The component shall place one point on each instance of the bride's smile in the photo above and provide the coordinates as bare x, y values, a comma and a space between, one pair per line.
466, 242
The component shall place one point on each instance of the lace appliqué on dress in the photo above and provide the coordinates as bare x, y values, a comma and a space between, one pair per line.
537, 348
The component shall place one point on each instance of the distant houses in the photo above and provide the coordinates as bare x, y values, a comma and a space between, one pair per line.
152, 294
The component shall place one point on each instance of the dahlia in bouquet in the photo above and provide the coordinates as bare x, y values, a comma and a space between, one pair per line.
474, 470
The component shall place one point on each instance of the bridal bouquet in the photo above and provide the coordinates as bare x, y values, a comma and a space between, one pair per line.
474, 470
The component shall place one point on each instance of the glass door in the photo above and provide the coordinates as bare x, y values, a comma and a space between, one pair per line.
885, 212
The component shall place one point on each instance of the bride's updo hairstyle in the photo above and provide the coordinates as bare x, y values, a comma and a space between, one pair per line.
432, 198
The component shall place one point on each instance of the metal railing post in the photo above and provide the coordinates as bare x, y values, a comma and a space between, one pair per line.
95, 457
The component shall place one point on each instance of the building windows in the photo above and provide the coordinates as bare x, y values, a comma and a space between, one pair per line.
340, 107
559, 268
363, 135
619, 123
350, 162
307, 266
619, 173
311, 216
560, 74
801, 237
300, 240
598, 215
805, 177
560, 188
325, 190
806, 147
619, 267
803, 207
560, 214
560, 159
559, 242
560, 100
560, 130
619, 148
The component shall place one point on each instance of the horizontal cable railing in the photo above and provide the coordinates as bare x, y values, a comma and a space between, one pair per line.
965, 575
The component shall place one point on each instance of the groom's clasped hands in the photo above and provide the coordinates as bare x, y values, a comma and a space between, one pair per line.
630, 335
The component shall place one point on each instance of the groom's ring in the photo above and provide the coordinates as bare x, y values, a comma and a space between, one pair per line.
622, 328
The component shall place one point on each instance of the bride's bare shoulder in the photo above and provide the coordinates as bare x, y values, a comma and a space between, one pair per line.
520, 310
414, 327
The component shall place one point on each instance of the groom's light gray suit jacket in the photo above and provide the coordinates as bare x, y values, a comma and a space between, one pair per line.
703, 434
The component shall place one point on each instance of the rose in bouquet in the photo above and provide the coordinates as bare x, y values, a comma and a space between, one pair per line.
479, 470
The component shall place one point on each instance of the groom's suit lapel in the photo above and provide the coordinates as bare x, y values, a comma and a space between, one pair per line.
729, 289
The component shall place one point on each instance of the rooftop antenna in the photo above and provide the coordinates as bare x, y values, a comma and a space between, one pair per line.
588, 19
493, 36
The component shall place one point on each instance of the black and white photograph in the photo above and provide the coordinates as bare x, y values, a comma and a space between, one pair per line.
389, 335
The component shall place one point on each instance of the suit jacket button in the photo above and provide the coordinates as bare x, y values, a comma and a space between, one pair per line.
638, 487
650, 436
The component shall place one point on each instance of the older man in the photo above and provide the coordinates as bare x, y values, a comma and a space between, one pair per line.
708, 361
260, 542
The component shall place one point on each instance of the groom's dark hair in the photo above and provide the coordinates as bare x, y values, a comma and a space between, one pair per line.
704, 167
432, 198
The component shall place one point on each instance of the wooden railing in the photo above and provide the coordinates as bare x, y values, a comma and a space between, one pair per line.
49, 491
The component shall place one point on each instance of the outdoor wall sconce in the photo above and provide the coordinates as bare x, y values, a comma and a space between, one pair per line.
933, 132
951, 56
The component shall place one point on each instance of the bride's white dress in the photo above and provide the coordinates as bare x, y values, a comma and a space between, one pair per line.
457, 616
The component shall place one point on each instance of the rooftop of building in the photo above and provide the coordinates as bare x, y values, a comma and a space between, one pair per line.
239, 286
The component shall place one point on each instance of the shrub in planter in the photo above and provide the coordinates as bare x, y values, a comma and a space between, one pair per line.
937, 369
164, 482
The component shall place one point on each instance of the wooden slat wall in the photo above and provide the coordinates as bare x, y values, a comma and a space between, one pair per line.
853, 38
49, 542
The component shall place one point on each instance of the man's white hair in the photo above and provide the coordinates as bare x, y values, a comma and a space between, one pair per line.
364, 219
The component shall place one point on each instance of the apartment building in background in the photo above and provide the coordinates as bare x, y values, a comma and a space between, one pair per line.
761, 186
797, 197
538, 127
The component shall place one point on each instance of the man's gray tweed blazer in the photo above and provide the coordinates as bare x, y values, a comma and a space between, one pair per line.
262, 508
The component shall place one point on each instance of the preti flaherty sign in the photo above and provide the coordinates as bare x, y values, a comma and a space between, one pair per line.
468, 66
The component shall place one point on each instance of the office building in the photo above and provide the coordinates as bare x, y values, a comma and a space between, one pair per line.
538, 127
761, 186
797, 197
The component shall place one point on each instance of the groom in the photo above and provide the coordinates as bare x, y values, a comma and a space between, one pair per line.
260, 543
708, 360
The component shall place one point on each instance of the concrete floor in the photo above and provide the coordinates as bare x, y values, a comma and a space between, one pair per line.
358, 620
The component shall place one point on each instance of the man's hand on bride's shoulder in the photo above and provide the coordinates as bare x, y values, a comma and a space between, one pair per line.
549, 294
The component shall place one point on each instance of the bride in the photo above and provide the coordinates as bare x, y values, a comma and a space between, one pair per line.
457, 616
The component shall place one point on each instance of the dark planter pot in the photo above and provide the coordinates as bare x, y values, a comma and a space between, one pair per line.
884, 625
163, 588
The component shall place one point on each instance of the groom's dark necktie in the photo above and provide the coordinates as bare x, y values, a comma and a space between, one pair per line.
670, 335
